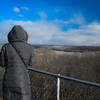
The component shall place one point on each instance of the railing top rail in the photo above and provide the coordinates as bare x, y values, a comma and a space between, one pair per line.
65, 77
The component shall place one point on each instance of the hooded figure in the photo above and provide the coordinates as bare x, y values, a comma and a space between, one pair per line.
16, 81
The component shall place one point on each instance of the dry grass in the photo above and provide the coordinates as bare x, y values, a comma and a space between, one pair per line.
82, 65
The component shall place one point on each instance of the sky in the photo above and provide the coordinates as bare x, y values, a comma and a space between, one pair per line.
53, 22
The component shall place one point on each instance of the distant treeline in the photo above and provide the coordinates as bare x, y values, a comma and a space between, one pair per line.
70, 48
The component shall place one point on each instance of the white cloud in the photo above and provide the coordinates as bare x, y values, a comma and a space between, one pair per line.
76, 19
39, 32
43, 32
20, 15
16, 9
24, 8
85, 35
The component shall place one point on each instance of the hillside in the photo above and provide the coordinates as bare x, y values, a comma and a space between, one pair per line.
81, 62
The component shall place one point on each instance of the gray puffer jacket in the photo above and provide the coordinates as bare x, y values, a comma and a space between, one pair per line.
16, 82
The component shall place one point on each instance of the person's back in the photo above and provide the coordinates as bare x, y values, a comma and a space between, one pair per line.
16, 83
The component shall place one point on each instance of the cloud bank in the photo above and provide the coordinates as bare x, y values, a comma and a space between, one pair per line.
44, 32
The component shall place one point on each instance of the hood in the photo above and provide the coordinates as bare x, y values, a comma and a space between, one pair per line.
17, 34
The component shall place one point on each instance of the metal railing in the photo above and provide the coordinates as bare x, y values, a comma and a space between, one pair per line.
59, 76
65, 77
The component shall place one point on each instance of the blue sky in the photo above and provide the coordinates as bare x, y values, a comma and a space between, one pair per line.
58, 22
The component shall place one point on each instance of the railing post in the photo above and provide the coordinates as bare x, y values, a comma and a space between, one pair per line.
58, 88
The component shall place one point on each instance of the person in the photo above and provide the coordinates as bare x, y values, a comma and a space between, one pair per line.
16, 81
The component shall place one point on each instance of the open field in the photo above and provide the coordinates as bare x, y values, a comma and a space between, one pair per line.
79, 62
